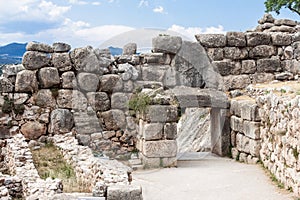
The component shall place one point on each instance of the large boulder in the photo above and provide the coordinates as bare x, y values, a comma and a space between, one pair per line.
114, 119
211, 40
62, 61
61, 121
61, 47
35, 46
48, 77
99, 101
45, 98
35, 60
87, 122
69, 80
167, 44
129, 49
32, 130
71, 99
88, 82
6, 85
26, 81
111, 83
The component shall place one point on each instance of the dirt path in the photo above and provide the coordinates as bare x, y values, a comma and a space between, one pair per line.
209, 178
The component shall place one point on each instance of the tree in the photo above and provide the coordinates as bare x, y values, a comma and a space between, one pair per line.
277, 5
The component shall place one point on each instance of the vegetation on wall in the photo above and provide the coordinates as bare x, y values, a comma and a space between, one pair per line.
277, 5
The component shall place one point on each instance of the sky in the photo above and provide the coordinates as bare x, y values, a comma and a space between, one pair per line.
92, 22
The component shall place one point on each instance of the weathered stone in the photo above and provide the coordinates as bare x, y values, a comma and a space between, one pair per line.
69, 80
120, 100
26, 81
251, 129
111, 83
60, 47
211, 40
88, 82
61, 121
103, 53
170, 131
161, 113
281, 39
227, 67
124, 192
114, 119
6, 85
160, 149
282, 28
128, 86
284, 76
48, 77
128, 72
153, 131
129, 49
236, 124
268, 65
262, 51
86, 122
33, 130
45, 98
267, 18
170, 78
236, 39
254, 147
248, 67
256, 38
288, 53
235, 53
157, 58
61, 61
154, 73
262, 77
166, 44
235, 108
18, 98
296, 47
12, 70
233, 82
99, 101
249, 111
72, 99
286, 22
35, 60
34, 46
243, 143
215, 54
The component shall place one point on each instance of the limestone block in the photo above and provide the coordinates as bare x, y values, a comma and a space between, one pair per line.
262, 51
6, 85
60, 47
281, 39
233, 138
153, 131
258, 38
35, 60
269, 65
129, 72
45, 98
61, 121
160, 148
233, 82
243, 143
215, 54
211, 40
86, 122
254, 147
33, 130
72, 99
227, 67
40, 47
88, 82
161, 113
236, 39
99, 101
243, 157
236, 124
251, 129
120, 100
288, 54
166, 44
61, 61
111, 83
170, 79
282, 28
235, 53
19, 98
124, 192
48, 77
169, 162
262, 77
170, 131
26, 81
154, 73
69, 80
249, 111
114, 119
235, 153
296, 48
248, 67
286, 22
157, 58
129, 49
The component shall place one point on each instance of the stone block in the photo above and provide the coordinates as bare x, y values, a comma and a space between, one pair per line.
157, 58
61, 121
114, 119
124, 192
60, 47
45, 98
249, 111
215, 54
268, 65
235, 53
128, 72
170, 131
262, 77
6, 85
99, 101
166, 44
153, 131
154, 72
120, 100
86, 122
88, 82
61, 61
262, 51
233, 138
258, 38
251, 129
233, 82
227, 67
286, 22
236, 124
69, 80
254, 147
26, 81
281, 39
248, 67
170, 78
33, 60
235, 153
32, 130
169, 162
235, 107
40, 47
211, 40
48, 77
243, 143
111, 83
161, 113
160, 149
236, 39
129, 49
71, 99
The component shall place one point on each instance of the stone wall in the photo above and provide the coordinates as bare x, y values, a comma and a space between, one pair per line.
255, 56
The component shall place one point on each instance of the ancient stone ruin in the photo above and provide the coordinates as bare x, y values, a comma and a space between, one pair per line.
96, 108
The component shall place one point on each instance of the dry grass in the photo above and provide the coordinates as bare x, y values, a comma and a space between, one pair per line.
49, 162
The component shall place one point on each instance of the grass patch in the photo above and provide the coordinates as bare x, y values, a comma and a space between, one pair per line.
49, 162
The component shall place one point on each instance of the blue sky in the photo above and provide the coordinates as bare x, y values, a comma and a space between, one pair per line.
91, 22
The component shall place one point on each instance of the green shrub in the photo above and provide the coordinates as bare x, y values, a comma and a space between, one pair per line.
139, 102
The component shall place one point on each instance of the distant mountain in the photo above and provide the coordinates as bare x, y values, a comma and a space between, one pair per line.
115, 51
12, 53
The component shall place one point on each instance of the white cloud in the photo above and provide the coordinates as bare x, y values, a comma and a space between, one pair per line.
143, 3
80, 2
190, 32
96, 3
158, 9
